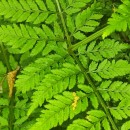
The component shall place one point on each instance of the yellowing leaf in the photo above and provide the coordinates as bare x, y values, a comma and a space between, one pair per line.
11, 79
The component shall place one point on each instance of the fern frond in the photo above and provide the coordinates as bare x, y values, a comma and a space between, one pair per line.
107, 69
95, 119
60, 109
105, 49
33, 74
119, 20
25, 37
116, 90
34, 11
122, 111
85, 21
56, 82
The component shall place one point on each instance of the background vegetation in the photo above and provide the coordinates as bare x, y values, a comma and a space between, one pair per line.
64, 64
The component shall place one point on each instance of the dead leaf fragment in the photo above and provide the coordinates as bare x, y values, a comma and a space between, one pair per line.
11, 79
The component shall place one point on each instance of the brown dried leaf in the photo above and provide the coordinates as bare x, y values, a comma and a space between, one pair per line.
11, 79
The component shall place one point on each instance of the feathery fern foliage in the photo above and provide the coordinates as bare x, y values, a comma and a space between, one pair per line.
69, 78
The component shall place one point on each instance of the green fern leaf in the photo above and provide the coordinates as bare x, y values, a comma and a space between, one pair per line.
90, 94
13, 62
114, 90
38, 48
32, 74
41, 4
58, 80
76, 6
105, 49
32, 11
85, 88
54, 112
24, 37
118, 114
79, 35
93, 121
51, 5
82, 17
52, 18
119, 20
107, 69
106, 124
42, 17
94, 101
70, 24
48, 31
80, 124
21, 120
83, 22
58, 31
123, 108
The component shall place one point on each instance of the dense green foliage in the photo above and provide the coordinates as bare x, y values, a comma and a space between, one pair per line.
74, 65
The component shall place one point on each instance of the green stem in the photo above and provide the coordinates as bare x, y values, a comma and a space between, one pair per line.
71, 48
63, 23
12, 99
88, 39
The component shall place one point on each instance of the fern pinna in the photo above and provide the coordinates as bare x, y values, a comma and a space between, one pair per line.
70, 77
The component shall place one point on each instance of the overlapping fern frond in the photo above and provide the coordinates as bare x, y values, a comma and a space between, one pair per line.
60, 109
22, 38
95, 119
34, 11
120, 19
